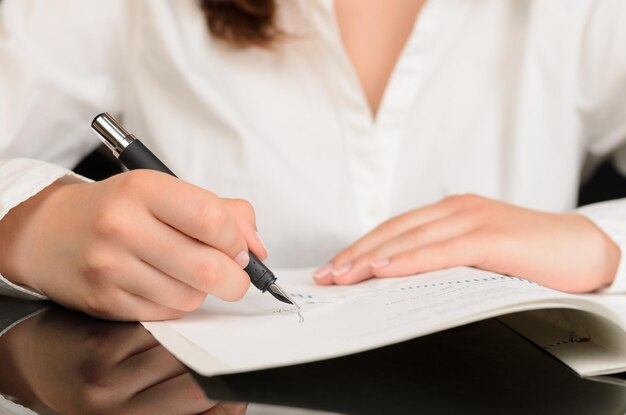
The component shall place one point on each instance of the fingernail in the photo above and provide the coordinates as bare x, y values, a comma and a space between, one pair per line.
322, 272
381, 263
260, 241
342, 269
242, 258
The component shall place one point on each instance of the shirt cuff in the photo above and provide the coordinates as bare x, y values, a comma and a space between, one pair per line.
20, 179
10, 289
610, 217
12, 408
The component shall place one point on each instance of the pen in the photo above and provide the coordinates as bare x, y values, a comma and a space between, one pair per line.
134, 155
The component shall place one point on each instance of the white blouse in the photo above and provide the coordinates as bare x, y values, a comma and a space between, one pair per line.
507, 99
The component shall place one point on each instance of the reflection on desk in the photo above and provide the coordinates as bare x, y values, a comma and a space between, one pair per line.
74, 364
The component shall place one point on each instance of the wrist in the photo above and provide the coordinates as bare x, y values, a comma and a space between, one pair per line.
19, 237
608, 252
613, 256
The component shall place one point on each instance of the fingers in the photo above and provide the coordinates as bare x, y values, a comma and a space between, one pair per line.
148, 282
199, 243
361, 268
229, 408
465, 250
437, 227
194, 268
117, 304
342, 263
394, 227
195, 212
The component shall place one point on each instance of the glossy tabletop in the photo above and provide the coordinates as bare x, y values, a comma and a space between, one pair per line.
75, 364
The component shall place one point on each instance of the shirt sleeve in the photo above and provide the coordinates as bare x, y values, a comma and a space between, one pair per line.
610, 217
11, 408
601, 103
61, 63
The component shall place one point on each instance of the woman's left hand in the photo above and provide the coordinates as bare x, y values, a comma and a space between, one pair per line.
564, 251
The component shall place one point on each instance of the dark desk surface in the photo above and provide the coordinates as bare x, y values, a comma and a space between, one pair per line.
78, 364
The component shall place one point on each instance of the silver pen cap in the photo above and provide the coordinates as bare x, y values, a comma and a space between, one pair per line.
111, 133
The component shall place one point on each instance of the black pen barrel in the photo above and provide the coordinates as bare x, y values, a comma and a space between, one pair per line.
260, 276
138, 156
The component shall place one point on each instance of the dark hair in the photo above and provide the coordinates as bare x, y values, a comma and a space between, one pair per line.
242, 22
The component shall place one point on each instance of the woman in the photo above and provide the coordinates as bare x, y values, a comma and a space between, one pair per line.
331, 119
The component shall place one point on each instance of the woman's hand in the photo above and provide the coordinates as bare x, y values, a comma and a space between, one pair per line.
566, 252
141, 245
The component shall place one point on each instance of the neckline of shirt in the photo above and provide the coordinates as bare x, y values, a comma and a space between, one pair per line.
434, 25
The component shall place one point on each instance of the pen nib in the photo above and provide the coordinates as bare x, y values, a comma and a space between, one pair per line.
281, 295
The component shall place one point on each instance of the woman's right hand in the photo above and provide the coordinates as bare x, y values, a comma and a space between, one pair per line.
141, 245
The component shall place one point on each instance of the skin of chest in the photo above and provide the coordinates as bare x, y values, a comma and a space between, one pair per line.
373, 34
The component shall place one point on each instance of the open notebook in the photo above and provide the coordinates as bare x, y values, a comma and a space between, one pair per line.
588, 333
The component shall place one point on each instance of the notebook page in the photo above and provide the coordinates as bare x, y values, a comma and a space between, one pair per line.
258, 332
